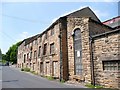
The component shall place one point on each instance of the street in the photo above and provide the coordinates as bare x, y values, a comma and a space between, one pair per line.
14, 78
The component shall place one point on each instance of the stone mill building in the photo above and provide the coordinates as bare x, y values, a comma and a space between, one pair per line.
77, 47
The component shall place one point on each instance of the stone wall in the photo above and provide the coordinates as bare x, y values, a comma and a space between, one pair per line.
106, 48
82, 24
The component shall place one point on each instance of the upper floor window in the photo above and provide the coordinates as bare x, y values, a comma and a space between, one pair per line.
30, 55
24, 58
111, 65
40, 39
45, 49
52, 48
52, 31
39, 51
27, 55
46, 35
35, 54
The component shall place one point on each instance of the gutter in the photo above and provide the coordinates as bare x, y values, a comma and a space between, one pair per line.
92, 62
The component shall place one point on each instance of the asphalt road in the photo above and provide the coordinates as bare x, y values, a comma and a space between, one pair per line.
13, 78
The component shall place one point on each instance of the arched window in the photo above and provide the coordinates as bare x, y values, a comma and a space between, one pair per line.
77, 52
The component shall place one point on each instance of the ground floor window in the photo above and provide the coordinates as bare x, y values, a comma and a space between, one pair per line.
111, 65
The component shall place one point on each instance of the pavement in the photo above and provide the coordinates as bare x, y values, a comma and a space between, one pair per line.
12, 77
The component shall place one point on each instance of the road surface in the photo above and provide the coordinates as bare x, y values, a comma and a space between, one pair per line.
14, 78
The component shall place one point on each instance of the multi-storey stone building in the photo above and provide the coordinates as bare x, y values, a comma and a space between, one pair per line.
75, 47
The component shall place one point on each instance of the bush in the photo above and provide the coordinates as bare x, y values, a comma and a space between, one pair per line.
27, 69
22, 69
50, 78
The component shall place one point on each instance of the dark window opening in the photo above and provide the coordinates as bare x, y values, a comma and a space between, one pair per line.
39, 51
45, 49
35, 54
24, 58
52, 48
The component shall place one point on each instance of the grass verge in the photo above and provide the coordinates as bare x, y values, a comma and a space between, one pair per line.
92, 86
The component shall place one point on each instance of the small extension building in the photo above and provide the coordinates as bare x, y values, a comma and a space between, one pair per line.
77, 47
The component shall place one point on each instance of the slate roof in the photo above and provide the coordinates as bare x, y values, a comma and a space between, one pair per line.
85, 12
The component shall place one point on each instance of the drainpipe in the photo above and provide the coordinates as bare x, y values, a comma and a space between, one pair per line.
92, 62
60, 36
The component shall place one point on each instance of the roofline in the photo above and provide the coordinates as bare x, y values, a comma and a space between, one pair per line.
103, 34
81, 10
111, 19
101, 24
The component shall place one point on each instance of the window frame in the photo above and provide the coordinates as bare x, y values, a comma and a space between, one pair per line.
45, 49
35, 54
78, 70
52, 49
46, 35
111, 65
52, 32
39, 51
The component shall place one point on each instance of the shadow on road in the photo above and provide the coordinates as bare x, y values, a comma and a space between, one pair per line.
10, 81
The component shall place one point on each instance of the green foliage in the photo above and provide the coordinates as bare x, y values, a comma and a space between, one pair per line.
11, 54
50, 78
62, 81
0, 55
92, 86
33, 72
27, 69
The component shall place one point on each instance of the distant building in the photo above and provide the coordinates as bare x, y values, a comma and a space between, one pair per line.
114, 22
78, 47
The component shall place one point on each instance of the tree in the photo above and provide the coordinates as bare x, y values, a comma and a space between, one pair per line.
11, 54
0, 54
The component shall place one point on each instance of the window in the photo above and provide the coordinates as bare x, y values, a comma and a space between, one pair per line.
46, 35
35, 42
35, 54
40, 39
45, 49
24, 58
111, 65
27, 56
39, 51
31, 55
52, 31
78, 52
52, 48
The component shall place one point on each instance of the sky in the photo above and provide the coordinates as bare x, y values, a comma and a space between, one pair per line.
19, 20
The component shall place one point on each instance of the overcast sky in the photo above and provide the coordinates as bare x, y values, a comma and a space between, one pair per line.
20, 20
